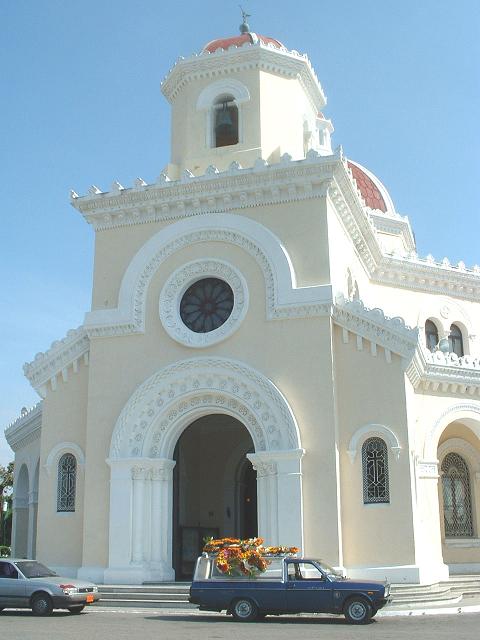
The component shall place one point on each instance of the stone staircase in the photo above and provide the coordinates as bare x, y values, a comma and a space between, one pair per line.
174, 595
441, 594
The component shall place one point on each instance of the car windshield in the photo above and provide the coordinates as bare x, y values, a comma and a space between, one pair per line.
326, 568
32, 569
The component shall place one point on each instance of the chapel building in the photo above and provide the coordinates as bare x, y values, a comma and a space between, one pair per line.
265, 354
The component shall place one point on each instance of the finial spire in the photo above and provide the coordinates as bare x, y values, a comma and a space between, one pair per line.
244, 27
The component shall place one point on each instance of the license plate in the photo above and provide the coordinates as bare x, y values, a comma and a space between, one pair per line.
89, 598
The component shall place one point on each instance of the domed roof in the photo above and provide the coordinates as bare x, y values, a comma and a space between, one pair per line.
372, 190
237, 41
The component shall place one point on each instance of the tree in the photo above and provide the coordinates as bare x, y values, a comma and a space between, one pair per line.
6, 484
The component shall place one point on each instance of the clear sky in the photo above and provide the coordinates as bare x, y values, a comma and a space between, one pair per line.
80, 105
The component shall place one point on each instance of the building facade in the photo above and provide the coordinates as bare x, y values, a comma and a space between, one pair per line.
266, 353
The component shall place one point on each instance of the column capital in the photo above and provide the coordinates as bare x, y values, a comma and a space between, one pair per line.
268, 463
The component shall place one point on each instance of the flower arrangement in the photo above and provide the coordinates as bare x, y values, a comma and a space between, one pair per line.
246, 557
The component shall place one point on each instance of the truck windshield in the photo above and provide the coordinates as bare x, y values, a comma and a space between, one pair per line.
326, 568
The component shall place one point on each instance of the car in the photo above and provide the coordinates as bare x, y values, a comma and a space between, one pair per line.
289, 585
28, 584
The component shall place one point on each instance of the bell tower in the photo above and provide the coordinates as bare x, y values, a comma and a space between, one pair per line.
241, 99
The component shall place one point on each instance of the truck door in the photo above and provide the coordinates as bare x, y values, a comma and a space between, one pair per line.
308, 589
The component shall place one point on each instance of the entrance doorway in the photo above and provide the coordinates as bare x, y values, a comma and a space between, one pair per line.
214, 488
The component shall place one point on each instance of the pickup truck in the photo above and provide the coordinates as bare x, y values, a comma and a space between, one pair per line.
289, 585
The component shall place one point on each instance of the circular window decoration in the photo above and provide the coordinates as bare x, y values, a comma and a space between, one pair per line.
206, 305
203, 302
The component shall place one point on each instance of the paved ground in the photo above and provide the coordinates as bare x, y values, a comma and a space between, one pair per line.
150, 624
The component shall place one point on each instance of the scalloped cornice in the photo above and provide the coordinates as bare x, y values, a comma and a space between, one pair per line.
265, 57
288, 181
25, 429
444, 373
392, 334
61, 355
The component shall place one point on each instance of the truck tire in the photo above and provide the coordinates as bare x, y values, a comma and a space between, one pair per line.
41, 604
357, 610
244, 610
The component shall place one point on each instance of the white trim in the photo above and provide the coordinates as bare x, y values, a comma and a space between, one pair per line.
211, 92
60, 449
253, 237
181, 280
167, 402
468, 412
371, 431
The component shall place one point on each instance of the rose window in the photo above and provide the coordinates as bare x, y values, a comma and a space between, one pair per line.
206, 305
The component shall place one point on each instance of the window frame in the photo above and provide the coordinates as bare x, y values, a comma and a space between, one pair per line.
367, 497
67, 495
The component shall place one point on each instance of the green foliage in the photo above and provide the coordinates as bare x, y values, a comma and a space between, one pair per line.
5, 551
6, 485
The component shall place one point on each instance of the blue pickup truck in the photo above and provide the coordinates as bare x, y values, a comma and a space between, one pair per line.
289, 585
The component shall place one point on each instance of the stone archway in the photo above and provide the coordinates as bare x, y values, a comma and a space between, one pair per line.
141, 459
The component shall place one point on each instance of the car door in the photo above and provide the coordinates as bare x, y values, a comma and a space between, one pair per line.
12, 586
308, 589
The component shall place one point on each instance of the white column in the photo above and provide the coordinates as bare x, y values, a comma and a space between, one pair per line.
161, 519
120, 568
32, 503
20, 528
279, 496
139, 475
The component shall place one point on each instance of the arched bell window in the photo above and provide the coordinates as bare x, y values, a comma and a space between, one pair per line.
67, 482
225, 128
457, 500
431, 335
455, 340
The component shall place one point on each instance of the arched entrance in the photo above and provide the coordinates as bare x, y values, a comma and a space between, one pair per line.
142, 460
214, 487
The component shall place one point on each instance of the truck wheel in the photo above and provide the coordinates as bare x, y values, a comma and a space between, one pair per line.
244, 610
357, 611
42, 604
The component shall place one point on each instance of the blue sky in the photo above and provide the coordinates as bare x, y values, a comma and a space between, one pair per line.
80, 104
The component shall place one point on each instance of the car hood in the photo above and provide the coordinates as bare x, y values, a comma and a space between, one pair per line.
58, 580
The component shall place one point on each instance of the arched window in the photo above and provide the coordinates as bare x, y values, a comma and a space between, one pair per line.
375, 471
225, 128
455, 340
431, 335
457, 502
67, 480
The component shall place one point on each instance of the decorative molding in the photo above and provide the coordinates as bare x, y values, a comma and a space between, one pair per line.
178, 283
168, 401
59, 450
370, 431
284, 298
226, 85
25, 429
460, 411
261, 56
441, 373
464, 448
372, 324
61, 355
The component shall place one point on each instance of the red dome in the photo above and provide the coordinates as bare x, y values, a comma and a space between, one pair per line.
237, 41
369, 190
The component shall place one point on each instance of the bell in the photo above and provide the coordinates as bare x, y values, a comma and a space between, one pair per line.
224, 119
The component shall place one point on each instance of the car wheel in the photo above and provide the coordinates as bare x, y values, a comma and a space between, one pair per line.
244, 610
77, 609
42, 604
357, 611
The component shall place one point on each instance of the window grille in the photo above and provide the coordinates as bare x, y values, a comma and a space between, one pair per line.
457, 502
431, 335
375, 471
67, 480
455, 340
